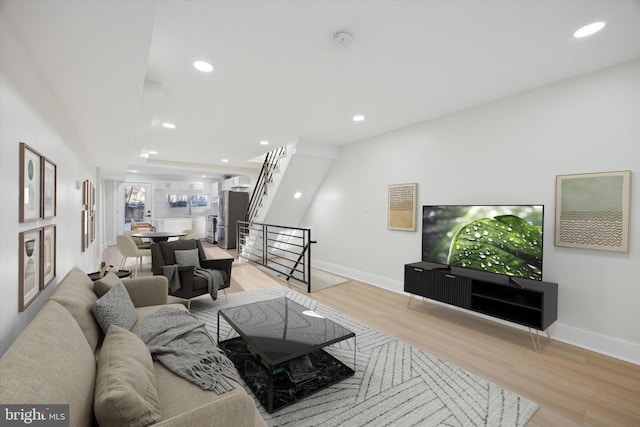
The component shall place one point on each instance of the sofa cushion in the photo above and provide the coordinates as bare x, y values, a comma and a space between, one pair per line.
75, 293
186, 404
115, 308
125, 392
168, 249
106, 283
51, 363
143, 312
187, 257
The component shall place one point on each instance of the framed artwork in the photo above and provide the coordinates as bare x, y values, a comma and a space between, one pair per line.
48, 255
30, 184
30, 267
92, 226
85, 193
49, 176
402, 207
592, 211
92, 212
85, 229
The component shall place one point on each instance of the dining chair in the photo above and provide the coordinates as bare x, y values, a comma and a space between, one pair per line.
129, 249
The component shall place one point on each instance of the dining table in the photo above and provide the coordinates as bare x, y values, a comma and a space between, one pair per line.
158, 236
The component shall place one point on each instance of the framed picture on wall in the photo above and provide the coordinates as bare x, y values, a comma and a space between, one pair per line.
49, 173
402, 207
30, 184
85, 193
30, 268
48, 255
592, 211
85, 230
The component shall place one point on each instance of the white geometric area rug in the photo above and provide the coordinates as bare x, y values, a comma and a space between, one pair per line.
395, 384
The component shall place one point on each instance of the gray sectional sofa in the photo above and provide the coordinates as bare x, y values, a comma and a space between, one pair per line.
63, 357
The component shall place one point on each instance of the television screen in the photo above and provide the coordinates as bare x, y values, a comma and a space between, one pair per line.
497, 239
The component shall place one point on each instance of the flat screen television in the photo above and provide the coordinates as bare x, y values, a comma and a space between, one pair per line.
502, 239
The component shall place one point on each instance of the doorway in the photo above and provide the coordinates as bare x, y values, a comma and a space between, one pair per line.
136, 201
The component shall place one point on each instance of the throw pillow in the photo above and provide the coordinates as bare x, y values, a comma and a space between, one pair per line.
115, 307
125, 392
104, 285
188, 257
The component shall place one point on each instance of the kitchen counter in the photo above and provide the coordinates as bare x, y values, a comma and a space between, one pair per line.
175, 224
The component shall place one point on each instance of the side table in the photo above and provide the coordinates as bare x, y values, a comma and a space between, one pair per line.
121, 274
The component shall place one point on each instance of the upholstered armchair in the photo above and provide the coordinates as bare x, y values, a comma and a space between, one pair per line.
191, 286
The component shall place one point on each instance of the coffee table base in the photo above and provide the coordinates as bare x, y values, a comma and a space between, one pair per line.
285, 391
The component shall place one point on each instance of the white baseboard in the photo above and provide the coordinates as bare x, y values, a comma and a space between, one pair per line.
609, 346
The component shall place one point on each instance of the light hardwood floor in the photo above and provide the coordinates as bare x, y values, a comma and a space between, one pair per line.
573, 386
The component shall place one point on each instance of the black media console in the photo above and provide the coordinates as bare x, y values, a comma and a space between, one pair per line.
527, 302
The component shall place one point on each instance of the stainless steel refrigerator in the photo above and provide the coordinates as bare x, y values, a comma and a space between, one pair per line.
232, 207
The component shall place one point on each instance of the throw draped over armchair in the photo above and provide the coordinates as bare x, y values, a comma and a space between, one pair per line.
163, 254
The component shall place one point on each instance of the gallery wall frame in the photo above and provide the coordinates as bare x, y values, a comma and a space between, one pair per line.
85, 230
85, 194
593, 210
49, 184
88, 232
402, 207
48, 255
30, 202
29, 267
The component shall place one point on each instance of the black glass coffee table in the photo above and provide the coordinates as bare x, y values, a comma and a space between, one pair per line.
280, 350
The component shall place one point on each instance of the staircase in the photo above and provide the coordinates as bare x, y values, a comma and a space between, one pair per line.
265, 181
285, 249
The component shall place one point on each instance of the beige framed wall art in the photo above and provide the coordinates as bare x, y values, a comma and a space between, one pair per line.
30, 267
402, 207
30, 184
592, 211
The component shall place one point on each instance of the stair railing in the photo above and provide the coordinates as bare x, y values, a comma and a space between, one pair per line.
270, 164
282, 249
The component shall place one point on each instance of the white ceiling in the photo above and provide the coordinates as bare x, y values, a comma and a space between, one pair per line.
278, 76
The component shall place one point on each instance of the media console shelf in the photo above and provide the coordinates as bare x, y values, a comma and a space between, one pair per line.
526, 302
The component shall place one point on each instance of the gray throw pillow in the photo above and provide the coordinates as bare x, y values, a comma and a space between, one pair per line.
188, 257
115, 307
125, 393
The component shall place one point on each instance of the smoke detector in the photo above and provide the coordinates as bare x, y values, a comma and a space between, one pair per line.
342, 39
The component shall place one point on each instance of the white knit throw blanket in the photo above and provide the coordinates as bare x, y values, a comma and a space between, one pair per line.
182, 344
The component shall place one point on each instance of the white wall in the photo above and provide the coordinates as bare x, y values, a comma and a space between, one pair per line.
30, 113
506, 152
303, 171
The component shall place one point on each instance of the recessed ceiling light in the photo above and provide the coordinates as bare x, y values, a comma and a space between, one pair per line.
263, 142
224, 160
589, 29
168, 125
297, 195
203, 176
203, 66
153, 152
358, 118
132, 171
144, 155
